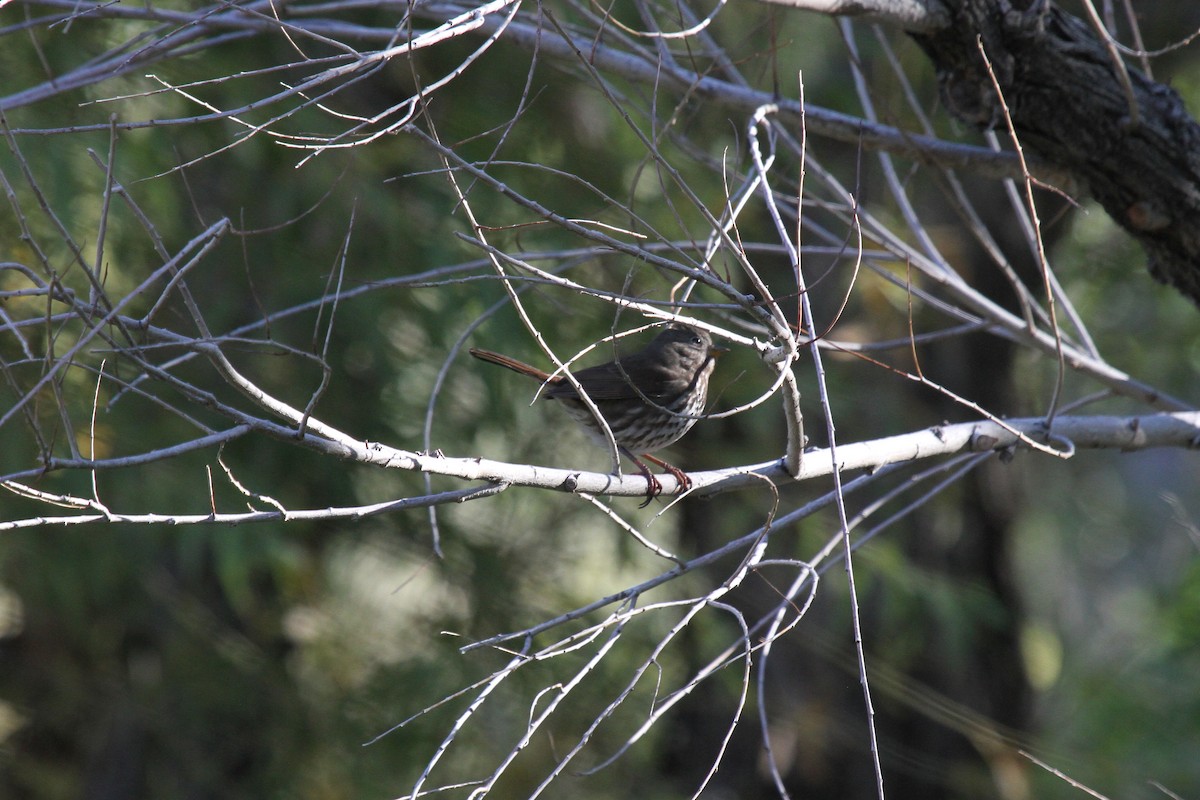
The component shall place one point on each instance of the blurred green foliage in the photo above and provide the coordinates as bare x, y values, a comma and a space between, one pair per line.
256, 661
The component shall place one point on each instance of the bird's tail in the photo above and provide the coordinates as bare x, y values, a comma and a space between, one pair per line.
513, 364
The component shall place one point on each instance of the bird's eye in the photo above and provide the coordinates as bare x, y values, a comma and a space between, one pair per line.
696, 340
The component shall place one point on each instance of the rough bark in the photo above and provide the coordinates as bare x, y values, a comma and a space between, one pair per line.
1069, 106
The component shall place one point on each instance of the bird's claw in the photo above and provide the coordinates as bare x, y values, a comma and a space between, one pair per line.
654, 487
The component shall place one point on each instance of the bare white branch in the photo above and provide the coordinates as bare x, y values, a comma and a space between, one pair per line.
919, 16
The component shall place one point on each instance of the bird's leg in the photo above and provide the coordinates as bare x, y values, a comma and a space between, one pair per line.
679, 475
653, 487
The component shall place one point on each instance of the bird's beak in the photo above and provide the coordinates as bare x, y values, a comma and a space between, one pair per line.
717, 350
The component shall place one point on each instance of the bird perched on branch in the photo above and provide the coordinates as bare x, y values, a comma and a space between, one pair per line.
649, 399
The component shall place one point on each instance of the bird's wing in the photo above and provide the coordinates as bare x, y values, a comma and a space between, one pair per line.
610, 382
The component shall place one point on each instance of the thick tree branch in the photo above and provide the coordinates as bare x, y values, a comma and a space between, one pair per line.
1071, 106
1124, 138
